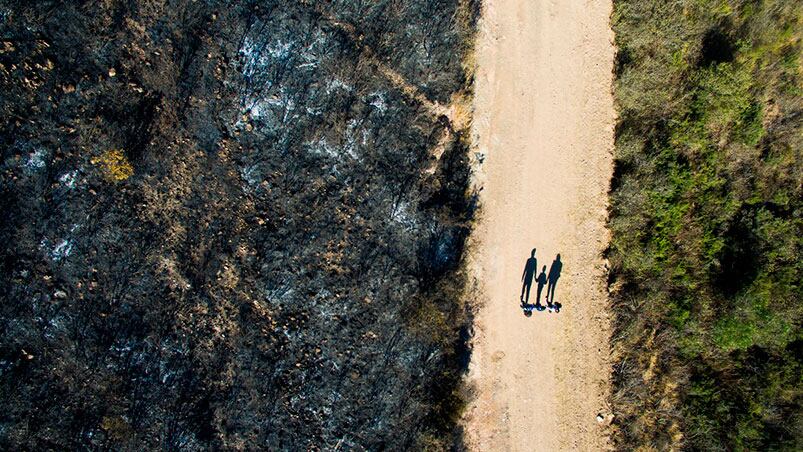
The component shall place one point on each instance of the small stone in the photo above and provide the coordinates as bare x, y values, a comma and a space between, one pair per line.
600, 418
60, 294
112, 72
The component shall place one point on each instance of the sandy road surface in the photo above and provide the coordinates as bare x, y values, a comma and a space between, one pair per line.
543, 118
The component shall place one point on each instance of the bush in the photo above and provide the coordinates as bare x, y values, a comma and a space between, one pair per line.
707, 176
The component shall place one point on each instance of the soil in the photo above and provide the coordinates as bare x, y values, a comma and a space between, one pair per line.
543, 128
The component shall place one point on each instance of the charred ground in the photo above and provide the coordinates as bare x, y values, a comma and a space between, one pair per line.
223, 226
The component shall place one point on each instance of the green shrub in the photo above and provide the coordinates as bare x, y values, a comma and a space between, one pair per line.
706, 224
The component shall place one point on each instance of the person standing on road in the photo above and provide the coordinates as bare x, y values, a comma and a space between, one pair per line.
554, 274
541, 281
527, 276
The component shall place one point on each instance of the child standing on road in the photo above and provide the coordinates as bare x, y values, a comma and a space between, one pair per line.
541, 280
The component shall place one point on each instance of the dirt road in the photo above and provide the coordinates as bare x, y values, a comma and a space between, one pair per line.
543, 120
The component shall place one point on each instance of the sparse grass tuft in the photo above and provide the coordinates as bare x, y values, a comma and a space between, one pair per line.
114, 165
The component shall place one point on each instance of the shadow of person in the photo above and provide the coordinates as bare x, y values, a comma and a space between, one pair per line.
554, 275
527, 277
541, 281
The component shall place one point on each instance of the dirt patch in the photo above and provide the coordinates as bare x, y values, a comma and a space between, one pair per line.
543, 128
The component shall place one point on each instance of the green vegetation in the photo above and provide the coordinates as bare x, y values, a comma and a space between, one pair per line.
706, 222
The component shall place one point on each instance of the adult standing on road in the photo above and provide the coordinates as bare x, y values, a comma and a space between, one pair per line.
554, 274
530, 268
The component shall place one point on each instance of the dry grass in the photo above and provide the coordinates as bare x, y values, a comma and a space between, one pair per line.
114, 165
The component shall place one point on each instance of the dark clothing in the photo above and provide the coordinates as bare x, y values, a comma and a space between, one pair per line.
527, 277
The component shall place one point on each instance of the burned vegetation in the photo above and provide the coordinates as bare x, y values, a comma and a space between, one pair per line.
233, 225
